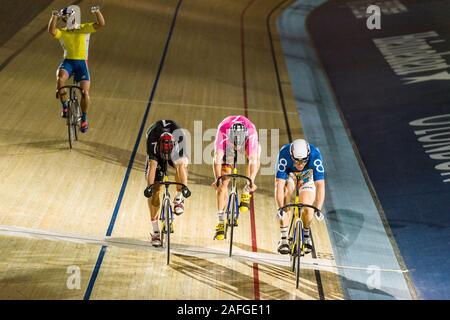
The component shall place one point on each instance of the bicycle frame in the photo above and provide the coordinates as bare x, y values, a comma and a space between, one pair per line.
166, 215
74, 112
233, 193
296, 218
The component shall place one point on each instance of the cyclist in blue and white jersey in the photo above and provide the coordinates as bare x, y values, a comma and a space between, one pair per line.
304, 159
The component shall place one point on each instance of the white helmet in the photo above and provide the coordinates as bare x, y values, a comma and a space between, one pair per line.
72, 17
300, 150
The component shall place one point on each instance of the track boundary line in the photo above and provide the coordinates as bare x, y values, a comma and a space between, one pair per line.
193, 105
38, 234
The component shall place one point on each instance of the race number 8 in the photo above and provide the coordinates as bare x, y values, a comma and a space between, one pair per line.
282, 165
319, 166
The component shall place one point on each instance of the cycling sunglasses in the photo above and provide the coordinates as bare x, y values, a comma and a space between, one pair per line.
301, 161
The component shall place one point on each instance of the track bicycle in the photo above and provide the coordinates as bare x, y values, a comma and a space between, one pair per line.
74, 111
296, 232
232, 211
166, 214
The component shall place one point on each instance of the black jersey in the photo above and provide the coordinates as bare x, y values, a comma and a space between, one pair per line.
153, 135
156, 130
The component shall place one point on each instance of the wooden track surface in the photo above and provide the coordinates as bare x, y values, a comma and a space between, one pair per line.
56, 204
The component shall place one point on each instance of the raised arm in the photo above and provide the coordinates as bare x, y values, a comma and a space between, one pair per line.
52, 23
100, 19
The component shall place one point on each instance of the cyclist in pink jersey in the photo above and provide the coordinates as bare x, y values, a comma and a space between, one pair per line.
234, 134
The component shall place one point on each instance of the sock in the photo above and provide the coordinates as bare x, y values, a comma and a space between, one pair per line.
155, 226
246, 189
83, 116
179, 195
284, 232
221, 217
306, 232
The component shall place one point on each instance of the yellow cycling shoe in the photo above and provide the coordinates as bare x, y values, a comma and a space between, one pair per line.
220, 231
244, 205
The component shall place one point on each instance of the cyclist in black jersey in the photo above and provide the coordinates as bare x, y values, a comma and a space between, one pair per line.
166, 145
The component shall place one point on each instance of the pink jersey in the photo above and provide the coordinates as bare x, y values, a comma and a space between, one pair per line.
252, 144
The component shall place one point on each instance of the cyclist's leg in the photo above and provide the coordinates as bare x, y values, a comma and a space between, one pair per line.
254, 163
85, 102
154, 201
62, 74
289, 190
283, 243
222, 200
307, 196
82, 76
181, 176
85, 98
222, 190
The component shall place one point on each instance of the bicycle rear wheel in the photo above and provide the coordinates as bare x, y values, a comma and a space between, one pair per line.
71, 126
293, 254
233, 218
77, 118
299, 245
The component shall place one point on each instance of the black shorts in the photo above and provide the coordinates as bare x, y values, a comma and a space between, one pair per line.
160, 169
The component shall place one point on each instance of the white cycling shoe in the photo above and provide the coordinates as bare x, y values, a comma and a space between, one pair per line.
283, 246
156, 239
178, 206
308, 244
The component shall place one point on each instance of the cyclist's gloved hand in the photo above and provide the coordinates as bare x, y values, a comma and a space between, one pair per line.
280, 213
148, 192
319, 215
95, 9
186, 192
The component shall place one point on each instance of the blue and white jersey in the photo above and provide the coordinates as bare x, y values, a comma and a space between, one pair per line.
285, 164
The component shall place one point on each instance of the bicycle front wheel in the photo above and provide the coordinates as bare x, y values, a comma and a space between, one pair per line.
71, 124
299, 245
168, 226
232, 219
77, 122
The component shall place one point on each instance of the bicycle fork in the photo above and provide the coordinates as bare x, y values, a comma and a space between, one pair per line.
162, 216
297, 223
232, 217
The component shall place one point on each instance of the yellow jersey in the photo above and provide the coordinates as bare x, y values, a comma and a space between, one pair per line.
75, 43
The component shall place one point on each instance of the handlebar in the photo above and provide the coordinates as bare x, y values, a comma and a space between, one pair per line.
317, 213
71, 86
184, 189
169, 183
233, 175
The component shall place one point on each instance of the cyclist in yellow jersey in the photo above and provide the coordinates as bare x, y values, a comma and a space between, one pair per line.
74, 39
